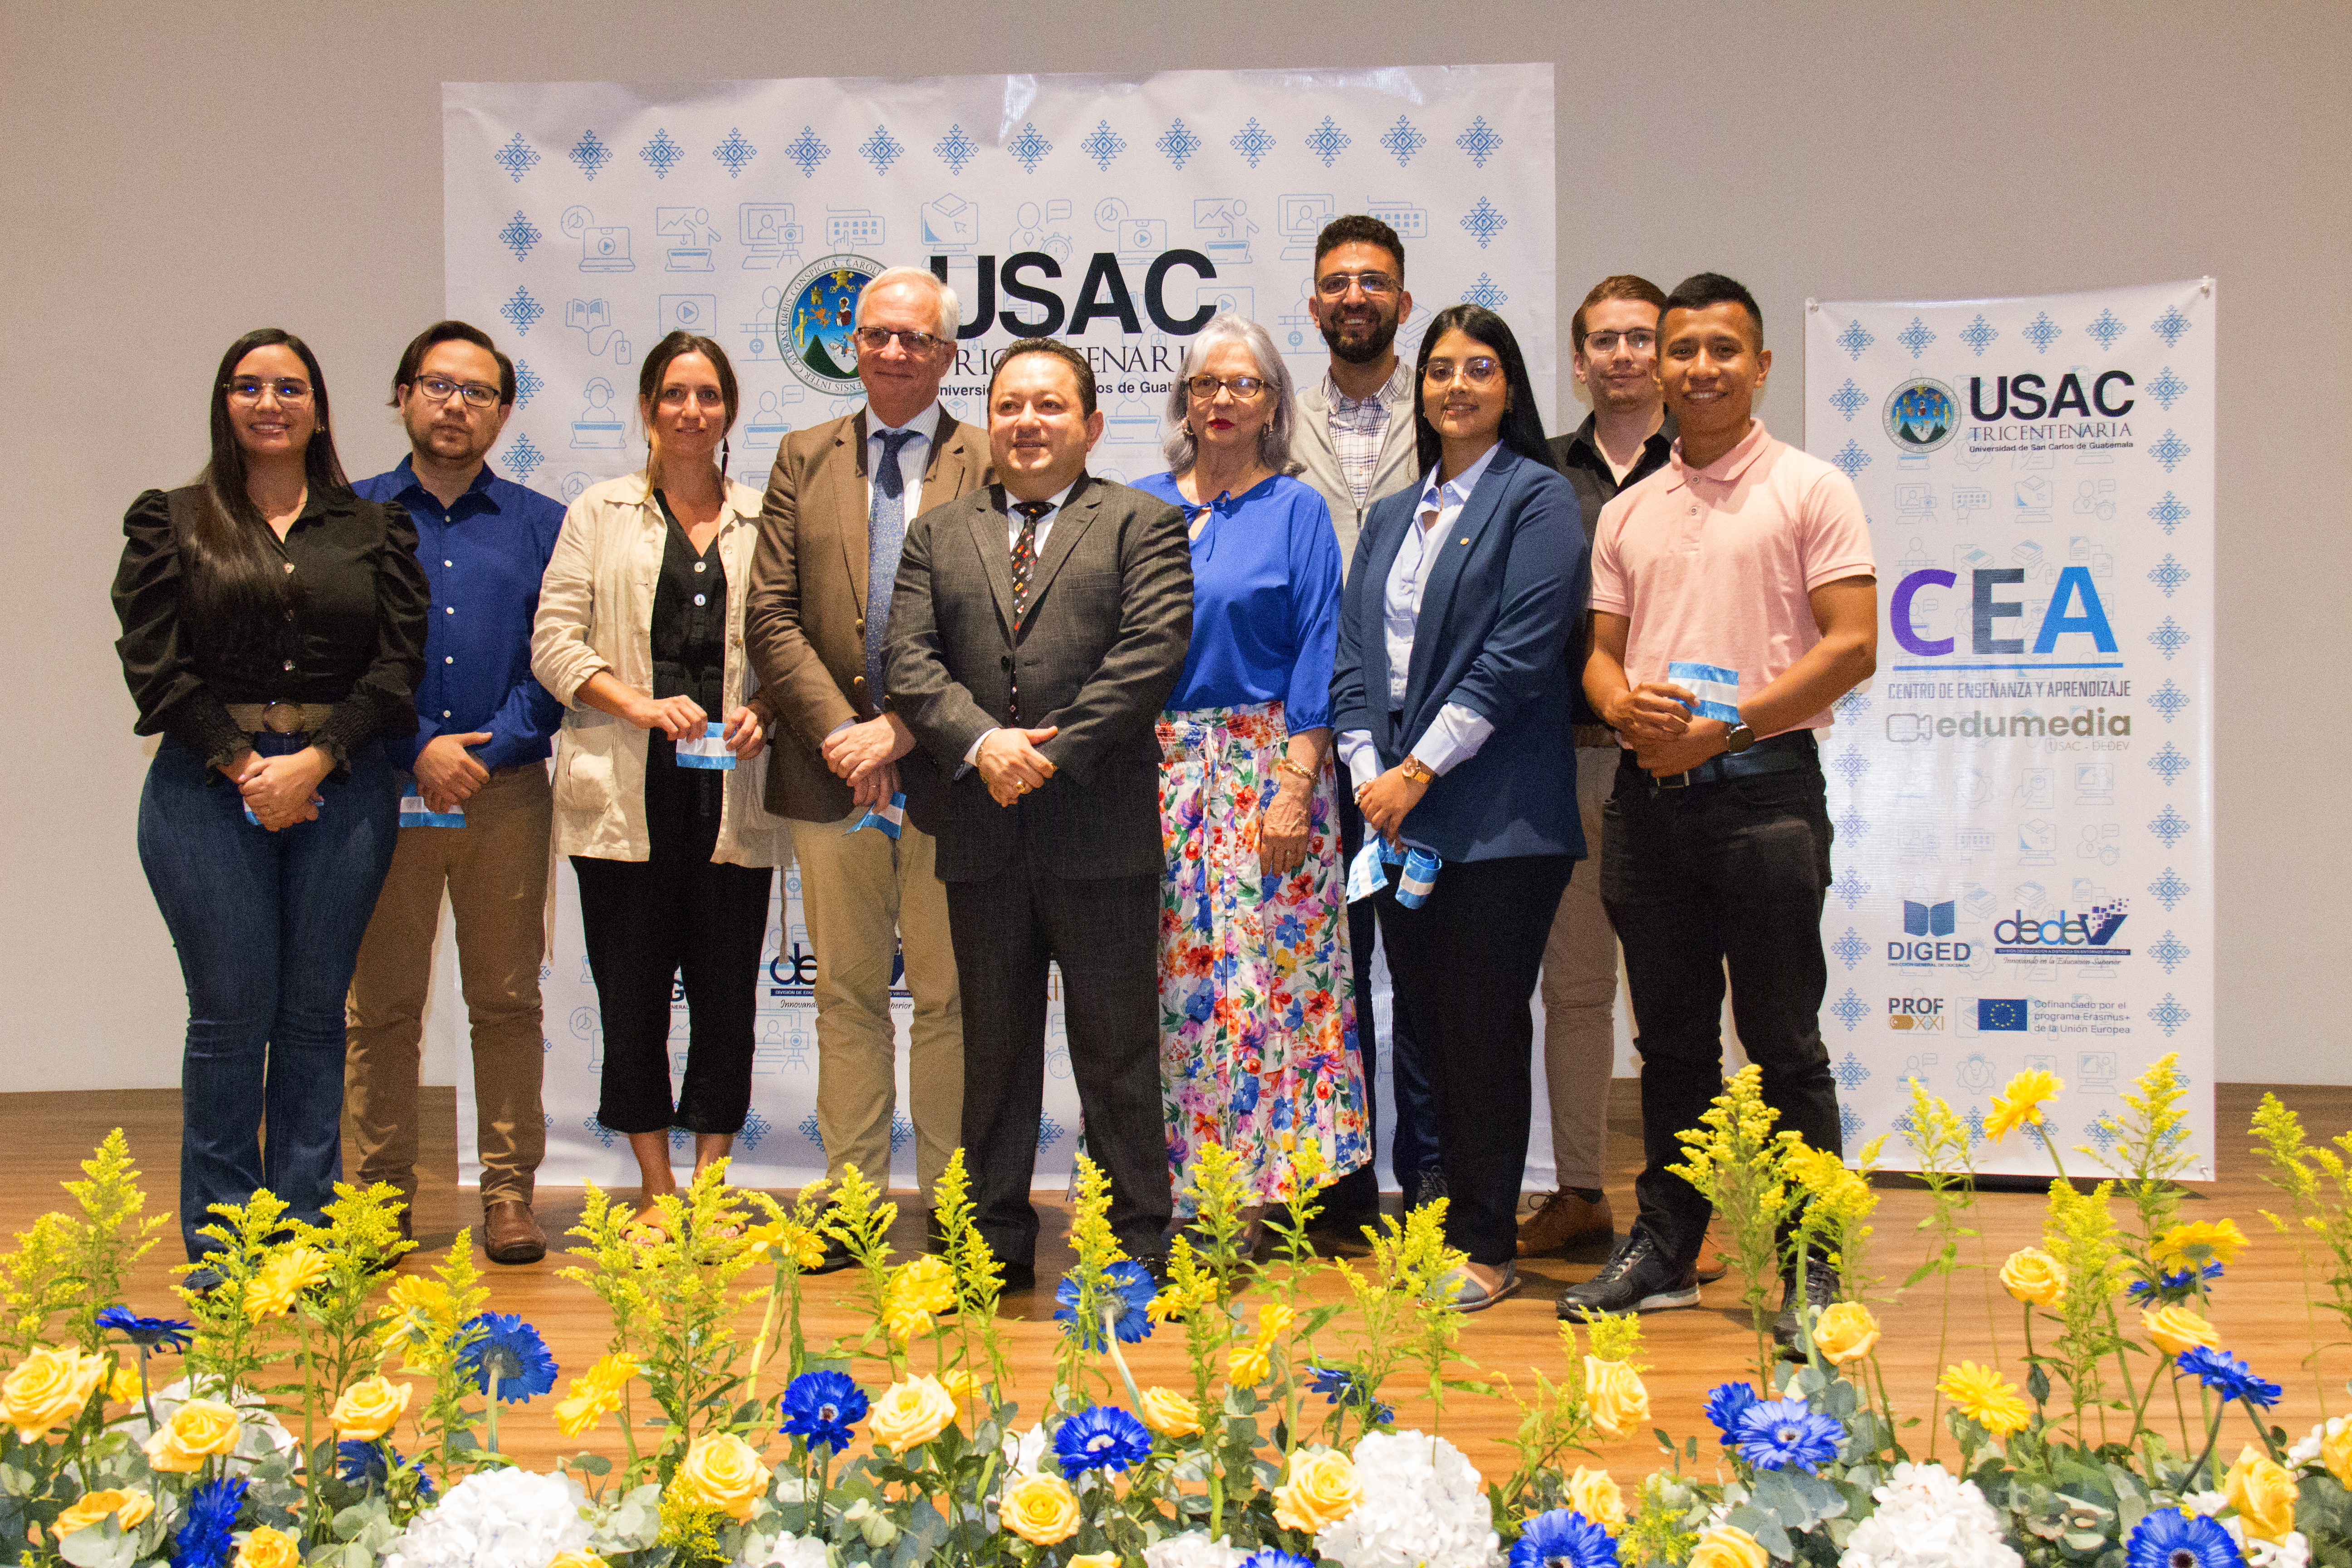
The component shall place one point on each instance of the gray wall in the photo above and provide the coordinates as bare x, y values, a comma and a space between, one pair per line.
176, 174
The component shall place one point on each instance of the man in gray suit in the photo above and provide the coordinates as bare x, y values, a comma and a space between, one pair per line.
1037, 627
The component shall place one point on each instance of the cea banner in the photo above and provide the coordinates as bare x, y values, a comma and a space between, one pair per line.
2023, 796
583, 221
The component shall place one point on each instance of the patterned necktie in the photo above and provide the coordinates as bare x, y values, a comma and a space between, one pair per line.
1024, 555
886, 541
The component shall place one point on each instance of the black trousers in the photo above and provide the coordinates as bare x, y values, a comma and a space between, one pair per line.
1731, 874
648, 925
1104, 932
1466, 966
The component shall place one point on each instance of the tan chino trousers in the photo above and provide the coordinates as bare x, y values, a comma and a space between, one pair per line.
1580, 994
867, 898
495, 871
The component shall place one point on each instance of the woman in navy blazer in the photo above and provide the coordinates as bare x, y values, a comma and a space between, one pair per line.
1451, 697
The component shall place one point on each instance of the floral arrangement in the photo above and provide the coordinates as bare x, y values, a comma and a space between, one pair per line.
305, 1364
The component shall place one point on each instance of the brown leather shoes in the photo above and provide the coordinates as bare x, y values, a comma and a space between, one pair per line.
1564, 1220
510, 1234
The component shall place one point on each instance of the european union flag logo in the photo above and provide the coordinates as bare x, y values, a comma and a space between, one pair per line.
2013, 1014
1929, 919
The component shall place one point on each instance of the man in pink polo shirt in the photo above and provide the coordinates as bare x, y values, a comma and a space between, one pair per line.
1734, 600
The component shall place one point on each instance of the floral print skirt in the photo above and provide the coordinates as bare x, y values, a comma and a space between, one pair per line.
1257, 1017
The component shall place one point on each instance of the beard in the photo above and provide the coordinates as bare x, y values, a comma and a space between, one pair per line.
1368, 350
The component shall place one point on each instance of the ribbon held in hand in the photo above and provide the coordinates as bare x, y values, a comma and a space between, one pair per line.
1367, 874
887, 820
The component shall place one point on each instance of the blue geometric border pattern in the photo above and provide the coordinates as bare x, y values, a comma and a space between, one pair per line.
1029, 148
590, 153
518, 158
1483, 223
661, 153
808, 152
734, 154
1178, 143
881, 149
1401, 141
1480, 140
1103, 145
955, 149
1253, 141
1326, 141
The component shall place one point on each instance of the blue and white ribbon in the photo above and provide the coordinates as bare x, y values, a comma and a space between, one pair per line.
886, 820
415, 813
707, 751
1717, 689
1368, 873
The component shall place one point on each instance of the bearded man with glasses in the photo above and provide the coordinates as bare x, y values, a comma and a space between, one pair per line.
831, 532
476, 809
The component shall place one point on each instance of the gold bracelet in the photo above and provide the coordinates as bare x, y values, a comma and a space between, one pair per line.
1286, 765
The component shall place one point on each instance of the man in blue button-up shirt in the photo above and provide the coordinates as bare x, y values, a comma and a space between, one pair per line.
484, 728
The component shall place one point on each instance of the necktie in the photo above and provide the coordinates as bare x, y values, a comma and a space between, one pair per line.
1024, 555
886, 541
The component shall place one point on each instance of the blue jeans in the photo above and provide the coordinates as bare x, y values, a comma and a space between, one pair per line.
267, 926
1728, 875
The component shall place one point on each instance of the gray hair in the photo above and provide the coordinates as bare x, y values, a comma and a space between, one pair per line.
950, 308
1274, 441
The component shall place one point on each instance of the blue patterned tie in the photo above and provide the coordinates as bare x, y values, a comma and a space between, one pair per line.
886, 541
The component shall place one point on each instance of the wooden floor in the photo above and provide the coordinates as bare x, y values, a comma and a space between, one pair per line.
2259, 1309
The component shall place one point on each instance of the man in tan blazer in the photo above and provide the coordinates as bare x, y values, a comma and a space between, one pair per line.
830, 531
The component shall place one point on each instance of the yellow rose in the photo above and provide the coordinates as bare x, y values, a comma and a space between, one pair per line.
2035, 1278
961, 1382
2335, 1453
1095, 1560
266, 1548
196, 1430
123, 1387
1726, 1546
911, 1413
90, 1507
48, 1389
2263, 1495
914, 1294
285, 1276
369, 1408
1322, 1490
576, 1559
2177, 1329
1247, 1365
1845, 1332
1614, 1394
1170, 1413
1040, 1509
721, 1471
1594, 1494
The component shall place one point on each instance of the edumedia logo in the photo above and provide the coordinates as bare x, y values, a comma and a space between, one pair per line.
1922, 415
814, 319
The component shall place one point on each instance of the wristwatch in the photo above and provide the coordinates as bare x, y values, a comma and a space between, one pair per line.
1738, 739
1416, 770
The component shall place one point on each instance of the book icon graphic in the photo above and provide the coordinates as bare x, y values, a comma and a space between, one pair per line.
1929, 919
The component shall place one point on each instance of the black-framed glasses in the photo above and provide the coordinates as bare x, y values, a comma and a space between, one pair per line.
441, 389
1483, 370
1639, 339
874, 339
1243, 388
1334, 284
249, 388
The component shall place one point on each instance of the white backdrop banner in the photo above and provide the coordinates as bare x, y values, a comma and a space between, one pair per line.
584, 220
2023, 796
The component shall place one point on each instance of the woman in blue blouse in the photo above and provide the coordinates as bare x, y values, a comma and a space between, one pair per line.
1256, 1010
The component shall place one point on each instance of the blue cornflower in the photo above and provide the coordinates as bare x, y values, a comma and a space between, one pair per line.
2229, 1376
1338, 1386
1104, 1438
820, 1408
1276, 1557
1773, 1435
2167, 1287
1725, 1404
148, 1333
2167, 1537
203, 1538
1132, 1289
1564, 1535
365, 1465
512, 1350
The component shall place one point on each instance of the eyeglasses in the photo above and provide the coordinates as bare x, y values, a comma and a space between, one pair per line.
1334, 284
440, 389
1639, 341
874, 339
248, 389
1482, 371
708, 397
1243, 388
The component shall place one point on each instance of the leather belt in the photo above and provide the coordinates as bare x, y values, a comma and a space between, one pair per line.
278, 717
1782, 754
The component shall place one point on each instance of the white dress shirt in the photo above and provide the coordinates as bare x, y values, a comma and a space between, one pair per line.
1457, 733
913, 458
1013, 537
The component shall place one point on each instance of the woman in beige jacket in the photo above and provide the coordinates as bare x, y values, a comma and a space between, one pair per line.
660, 767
